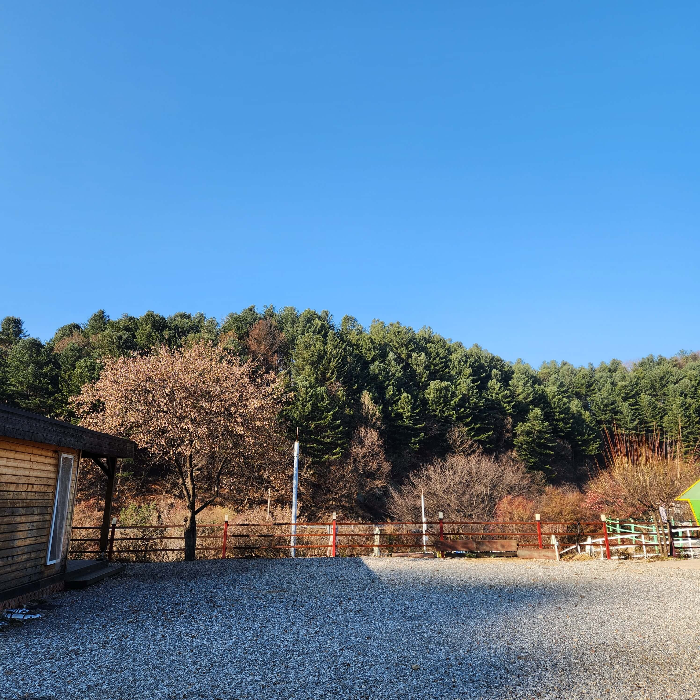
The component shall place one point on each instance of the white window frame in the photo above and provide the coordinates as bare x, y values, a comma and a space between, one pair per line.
55, 505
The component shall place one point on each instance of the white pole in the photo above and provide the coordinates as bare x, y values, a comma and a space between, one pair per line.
295, 488
422, 507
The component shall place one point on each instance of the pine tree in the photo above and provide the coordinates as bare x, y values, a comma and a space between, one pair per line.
534, 441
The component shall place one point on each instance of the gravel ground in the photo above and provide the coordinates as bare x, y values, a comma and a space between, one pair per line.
365, 628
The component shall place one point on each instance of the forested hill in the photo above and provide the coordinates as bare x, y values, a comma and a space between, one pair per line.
423, 390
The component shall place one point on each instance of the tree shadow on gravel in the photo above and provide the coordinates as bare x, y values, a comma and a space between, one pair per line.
312, 628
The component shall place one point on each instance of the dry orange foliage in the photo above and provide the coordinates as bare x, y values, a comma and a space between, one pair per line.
203, 415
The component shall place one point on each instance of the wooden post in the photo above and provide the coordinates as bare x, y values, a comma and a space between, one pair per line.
605, 535
111, 472
671, 546
223, 551
110, 552
441, 517
539, 530
334, 534
377, 533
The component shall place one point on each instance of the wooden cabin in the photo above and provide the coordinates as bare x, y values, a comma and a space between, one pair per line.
39, 460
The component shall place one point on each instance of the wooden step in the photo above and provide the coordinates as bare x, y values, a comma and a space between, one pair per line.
88, 575
79, 567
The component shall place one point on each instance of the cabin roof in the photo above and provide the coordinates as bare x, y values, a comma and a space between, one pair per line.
24, 425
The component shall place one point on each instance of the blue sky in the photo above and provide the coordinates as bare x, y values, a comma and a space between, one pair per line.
519, 175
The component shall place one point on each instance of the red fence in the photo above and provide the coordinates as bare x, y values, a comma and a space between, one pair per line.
334, 538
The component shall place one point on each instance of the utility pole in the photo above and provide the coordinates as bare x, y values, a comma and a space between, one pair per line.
295, 488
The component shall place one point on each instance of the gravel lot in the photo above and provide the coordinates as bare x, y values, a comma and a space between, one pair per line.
365, 628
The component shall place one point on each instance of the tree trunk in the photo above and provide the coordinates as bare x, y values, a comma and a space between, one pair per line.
190, 533
107, 513
191, 522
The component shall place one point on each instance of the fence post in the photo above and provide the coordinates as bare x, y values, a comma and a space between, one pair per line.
377, 532
334, 534
555, 544
110, 551
671, 546
605, 535
223, 550
539, 530
441, 517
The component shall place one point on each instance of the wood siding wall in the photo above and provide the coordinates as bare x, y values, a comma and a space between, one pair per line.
28, 476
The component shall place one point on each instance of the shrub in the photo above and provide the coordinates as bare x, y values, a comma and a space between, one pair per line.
463, 487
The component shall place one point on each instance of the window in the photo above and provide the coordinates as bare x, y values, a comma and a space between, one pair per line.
60, 508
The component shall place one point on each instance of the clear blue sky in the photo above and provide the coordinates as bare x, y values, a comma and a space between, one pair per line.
522, 175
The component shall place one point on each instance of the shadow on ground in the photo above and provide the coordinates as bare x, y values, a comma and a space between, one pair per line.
355, 628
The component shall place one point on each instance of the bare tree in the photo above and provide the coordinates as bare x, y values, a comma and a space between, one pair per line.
266, 344
198, 412
644, 473
463, 486
358, 480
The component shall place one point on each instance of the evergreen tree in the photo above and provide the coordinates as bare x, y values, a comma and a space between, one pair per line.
32, 377
534, 441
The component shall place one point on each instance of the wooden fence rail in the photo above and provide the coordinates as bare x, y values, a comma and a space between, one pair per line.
333, 538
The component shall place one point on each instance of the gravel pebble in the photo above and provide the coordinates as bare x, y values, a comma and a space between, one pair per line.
364, 628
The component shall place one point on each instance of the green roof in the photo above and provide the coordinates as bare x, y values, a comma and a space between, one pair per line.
691, 494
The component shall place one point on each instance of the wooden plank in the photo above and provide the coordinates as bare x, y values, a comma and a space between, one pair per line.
496, 545
19, 454
18, 577
16, 475
455, 545
26, 510
37, 501
24, 507
43, 526
24, 487
8, 550
38, 565
28, 530
25, 522
20, 539
34, 451
21, 466
17, 521
23, 494
22, 518
11, 481
32, 553
15, 460
476, 545
31, 448
25, 470
536, 553
13, 467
